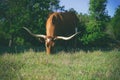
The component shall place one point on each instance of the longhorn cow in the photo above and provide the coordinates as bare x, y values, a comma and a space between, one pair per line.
58, 25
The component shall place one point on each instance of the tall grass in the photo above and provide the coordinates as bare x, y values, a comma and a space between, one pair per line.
30, 65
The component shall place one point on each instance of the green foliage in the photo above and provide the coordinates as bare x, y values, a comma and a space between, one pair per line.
98, 10
93, 32
95, 27
16, 14
81, 65
116, 23
72, 10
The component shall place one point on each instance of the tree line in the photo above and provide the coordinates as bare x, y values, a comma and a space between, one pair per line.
97, 28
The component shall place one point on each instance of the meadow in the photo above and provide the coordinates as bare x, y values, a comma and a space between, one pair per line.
79, 65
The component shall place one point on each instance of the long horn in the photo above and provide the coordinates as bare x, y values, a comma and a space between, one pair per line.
66, 38
35, 35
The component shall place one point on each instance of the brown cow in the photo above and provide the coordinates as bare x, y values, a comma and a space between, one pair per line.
58, 25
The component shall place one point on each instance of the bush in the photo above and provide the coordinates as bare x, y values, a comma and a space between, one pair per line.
94, 31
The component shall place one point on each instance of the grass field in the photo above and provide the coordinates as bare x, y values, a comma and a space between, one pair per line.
81, 65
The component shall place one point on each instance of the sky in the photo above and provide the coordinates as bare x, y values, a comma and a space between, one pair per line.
82, 6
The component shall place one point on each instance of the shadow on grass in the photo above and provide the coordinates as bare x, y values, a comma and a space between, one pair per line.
20, 49
57, 49
72, 50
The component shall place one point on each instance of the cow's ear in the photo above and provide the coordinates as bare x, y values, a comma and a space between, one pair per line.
54, 19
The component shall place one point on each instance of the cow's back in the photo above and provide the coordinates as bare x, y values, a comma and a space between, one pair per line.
62, 24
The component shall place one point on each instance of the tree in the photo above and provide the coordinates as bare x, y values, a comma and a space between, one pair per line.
16, 14
97, 10
116, 23
72, 10
96, 26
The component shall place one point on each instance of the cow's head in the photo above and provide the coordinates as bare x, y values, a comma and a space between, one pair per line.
50, 40
49, 43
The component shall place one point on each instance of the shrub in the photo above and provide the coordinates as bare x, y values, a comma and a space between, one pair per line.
94, 31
